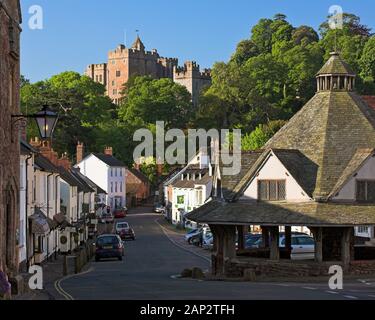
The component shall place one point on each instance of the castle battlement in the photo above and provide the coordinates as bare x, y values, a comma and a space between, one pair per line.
191, 69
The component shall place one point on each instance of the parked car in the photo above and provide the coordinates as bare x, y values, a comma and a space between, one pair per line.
124, 231
107, 218
208, 243
190, 234
252, 240
120, 213
159, 208
109, 246
303, 247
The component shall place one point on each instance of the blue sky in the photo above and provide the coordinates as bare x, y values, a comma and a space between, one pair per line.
79, 32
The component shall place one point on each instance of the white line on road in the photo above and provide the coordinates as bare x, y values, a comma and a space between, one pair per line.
332, 292
351, 297
309, 288
178, 245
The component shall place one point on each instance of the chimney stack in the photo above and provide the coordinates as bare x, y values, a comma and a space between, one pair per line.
108, 151
64, 162
80, 151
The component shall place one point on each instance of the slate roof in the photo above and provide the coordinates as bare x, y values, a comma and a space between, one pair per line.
44, 164
90, 186
27, 148
191, 183
328, 131
294, 214
336, 66
321, 146
231, 184
354, 165
72, 179
109, 160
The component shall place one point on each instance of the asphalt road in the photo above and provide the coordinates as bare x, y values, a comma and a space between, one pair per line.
150, 262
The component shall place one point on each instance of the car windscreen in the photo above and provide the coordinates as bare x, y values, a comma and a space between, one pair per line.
122, 226
107, 240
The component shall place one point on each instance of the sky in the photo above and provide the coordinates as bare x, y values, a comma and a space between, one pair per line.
77, 33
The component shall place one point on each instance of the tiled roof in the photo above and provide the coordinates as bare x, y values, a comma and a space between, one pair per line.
336, 66
295, 214
370, 100
90, 186
109, 160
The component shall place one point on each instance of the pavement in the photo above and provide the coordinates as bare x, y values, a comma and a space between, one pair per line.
152, 262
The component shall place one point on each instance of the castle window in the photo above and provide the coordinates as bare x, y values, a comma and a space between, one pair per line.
100, 78
113, 83
366, 190
271, 190
118, 73
114, 91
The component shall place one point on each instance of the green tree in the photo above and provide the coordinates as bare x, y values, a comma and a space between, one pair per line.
367, 61
80, 102
260, 136
148, 100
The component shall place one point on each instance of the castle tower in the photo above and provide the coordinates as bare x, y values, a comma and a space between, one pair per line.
192, 78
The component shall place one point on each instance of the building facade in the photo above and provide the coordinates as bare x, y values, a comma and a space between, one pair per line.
317, 172
109, 174
10, 19
124, 63
138, 187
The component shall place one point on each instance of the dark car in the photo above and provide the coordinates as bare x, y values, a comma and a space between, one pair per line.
109, 246
120, 213
125, 231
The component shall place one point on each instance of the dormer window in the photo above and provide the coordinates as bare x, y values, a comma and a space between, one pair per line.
365, 190
271, 190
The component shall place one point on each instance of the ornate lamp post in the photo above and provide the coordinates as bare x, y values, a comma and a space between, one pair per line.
46, 121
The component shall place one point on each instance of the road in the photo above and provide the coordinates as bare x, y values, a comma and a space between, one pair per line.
147, 271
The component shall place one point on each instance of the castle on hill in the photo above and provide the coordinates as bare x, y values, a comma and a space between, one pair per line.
124, 63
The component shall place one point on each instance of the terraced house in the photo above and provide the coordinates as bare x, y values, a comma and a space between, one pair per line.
318, 171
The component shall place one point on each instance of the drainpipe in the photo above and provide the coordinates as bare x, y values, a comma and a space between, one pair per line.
26, 213
51, 174
56, 239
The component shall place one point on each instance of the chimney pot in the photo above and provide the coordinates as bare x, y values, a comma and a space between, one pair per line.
108, 151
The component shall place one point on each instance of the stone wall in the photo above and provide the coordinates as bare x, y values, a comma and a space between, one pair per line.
266, 268
9, 134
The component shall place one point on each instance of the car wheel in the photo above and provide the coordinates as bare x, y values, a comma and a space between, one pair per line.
120, 258
97, 259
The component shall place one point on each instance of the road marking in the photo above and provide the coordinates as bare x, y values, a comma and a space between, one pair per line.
350, 297
332, 292
178, 245
61, 291
309, 288
283, 285
371, 296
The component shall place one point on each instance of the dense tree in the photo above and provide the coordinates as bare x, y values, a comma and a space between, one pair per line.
367, 61
304, 35
246, 49
149, 100
80, 102
262, 133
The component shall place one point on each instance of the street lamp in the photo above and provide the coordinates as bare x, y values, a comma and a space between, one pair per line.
46, 121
